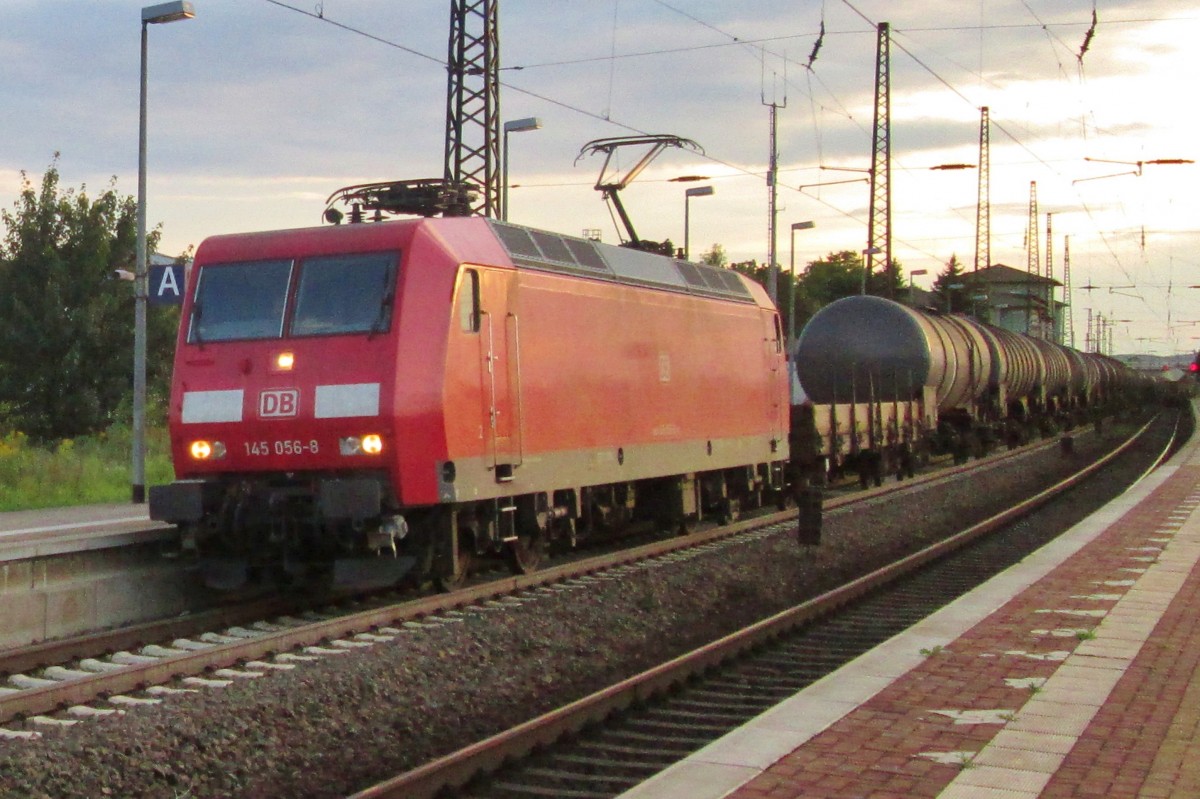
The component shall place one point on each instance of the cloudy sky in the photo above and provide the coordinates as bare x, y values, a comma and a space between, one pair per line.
259, 110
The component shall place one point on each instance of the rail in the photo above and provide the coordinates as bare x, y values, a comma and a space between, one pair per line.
456, 769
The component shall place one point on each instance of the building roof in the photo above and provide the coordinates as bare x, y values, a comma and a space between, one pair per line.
999, 274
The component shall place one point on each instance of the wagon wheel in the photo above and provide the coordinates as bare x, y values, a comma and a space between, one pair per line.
730, 510
672, 521
785, 495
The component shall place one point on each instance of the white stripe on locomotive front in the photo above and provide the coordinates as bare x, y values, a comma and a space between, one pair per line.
354, 399
212, 406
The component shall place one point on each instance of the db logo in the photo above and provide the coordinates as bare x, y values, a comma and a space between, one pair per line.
278, 402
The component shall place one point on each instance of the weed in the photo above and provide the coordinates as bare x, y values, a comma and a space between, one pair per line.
81, 471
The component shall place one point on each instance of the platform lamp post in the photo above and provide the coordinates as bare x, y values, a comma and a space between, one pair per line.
791, 327
513, 126
869, 251
688, 194
151, 15
911, 292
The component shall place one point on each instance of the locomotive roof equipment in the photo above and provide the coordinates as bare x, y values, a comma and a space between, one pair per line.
610, 187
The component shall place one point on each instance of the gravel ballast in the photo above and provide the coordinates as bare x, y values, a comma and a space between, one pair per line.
342, 722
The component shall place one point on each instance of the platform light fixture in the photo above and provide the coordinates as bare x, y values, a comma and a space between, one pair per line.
167, 12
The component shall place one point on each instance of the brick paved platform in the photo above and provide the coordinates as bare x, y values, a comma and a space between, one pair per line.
1074, 674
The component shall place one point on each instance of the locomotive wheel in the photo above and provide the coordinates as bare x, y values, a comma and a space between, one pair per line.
526, 551
447, 578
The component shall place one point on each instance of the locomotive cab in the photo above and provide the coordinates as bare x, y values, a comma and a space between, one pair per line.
278, 438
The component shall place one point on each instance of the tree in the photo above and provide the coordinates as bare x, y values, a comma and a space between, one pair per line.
951, 289
837, 275
715, 257
885, 282
66, 338
752, 269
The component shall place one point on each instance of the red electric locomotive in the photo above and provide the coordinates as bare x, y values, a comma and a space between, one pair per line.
375, 400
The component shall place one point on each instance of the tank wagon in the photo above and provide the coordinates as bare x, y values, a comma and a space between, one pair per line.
883, 385
371, 401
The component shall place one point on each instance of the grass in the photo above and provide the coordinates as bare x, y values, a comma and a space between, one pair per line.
81, 471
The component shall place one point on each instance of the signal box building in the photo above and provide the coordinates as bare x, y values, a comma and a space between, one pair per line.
1017, 300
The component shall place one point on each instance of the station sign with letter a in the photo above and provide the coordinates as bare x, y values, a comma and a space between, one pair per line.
166, 283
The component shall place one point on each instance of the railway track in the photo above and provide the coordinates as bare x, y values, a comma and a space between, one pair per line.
414, 700
608, 742
65, 681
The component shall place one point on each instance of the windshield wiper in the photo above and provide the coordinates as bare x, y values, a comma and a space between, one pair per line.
197, 314
385, 307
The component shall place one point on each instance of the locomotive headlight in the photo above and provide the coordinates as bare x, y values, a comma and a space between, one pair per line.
282, 361
370, 444
207, 450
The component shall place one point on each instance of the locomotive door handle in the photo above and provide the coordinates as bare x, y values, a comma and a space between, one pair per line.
492, 411
516, 389
491, 360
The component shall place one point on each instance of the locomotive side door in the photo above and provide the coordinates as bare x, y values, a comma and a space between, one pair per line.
776, 362
501, 365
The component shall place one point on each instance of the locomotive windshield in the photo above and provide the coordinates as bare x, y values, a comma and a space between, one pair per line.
334, 295
240, 301
344, 294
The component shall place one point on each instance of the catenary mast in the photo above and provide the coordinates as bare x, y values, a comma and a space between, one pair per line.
473, 105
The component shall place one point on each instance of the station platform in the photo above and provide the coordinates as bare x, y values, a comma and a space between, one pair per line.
54, 531
72, 571
1075, 673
